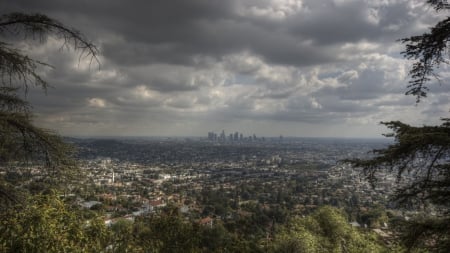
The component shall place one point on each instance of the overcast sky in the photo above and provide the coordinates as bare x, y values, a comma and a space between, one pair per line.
269, 67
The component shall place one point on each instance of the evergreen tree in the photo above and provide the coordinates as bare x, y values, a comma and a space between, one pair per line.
21, 142
419, 156
428, 51
38, 222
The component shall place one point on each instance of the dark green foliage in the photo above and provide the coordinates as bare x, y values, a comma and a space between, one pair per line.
419, 158
169, 232
18, 67
439, 4
325, 230
428, 51
430, 233
21, 142
33, 217
46, 224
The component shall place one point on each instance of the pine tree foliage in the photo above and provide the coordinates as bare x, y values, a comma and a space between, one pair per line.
420, 156
439, 4
21, 142
39, 222
430, 234
428, 51
15, 66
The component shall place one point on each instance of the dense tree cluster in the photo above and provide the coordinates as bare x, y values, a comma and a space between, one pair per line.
325, 230
47, 224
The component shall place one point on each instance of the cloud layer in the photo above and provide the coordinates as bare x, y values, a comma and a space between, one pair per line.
270, 67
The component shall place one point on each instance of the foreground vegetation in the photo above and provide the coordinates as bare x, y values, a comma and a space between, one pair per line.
48, 224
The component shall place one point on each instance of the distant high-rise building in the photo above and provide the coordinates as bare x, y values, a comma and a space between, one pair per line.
222, 136
236, 137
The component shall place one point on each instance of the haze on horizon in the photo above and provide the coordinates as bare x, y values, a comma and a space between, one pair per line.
269, 67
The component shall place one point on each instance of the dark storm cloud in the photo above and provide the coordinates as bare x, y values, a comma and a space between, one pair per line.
332, 24
216, 39
351, 21
168, 64
174, 31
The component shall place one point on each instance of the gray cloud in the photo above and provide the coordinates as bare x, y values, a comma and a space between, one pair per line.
266, 66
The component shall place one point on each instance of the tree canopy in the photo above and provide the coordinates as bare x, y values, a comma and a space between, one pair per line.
419, 159
419, 156
38, 222
47, 224
325, 230
428, 50
22, 142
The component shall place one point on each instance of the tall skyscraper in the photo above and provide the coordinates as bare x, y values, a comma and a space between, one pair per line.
222, 136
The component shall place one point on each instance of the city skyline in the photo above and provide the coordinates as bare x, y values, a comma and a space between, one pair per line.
269, 68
